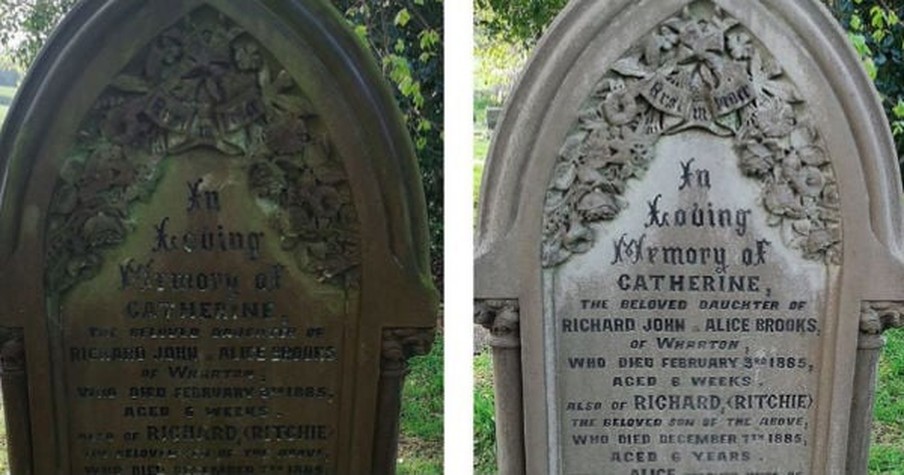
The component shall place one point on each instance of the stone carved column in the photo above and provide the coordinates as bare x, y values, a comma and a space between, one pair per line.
501, 318
15, 400
875, 318
399, 345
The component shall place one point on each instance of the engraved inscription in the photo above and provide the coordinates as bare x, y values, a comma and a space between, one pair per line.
222, 365
202, 260
688, 340
691, 234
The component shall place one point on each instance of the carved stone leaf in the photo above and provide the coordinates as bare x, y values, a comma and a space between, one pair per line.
572, 147
564, 175
698, 70
631, 66
129, 83
204, 83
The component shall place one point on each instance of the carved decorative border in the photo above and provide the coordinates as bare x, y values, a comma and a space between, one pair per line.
877, 317
699, 70
203, 83
12, 350
401, 344
502, 318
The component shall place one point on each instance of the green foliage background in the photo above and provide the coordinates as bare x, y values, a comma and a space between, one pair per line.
407, 38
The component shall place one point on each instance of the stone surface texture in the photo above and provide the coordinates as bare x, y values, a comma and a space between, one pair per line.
213, 245
656, 160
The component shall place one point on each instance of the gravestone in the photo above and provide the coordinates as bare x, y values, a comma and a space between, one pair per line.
689, 236
213, 246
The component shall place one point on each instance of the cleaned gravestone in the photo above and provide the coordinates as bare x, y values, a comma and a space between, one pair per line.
213, 248
690, 224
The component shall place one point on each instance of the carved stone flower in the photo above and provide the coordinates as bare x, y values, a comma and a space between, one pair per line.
288, 136
65, 200
621, 146
596, 206
573, 146
830, 196
757, 159
554, 198
803, 145
776, 118
297, 222
594, 151
822, 239
553, 253
247, 56
701, 37
739, 46
170, 49
620, 107
579, 238
781, 200
124, 125
809, 181
555, 221
589, 175
326, 202
264, 180
641, 154
666, 38
663, 41
102, 230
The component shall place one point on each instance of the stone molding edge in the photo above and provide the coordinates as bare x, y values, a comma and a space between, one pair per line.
878, 316
401, 344
14, 375
503, 320
698, 70
12, 350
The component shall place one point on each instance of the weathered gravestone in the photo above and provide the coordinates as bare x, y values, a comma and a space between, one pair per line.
689, 207
213, 246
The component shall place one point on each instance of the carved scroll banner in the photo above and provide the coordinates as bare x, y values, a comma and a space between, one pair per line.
693, 301
197, 253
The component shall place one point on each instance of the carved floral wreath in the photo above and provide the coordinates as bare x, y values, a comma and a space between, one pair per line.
703, 72
202, 83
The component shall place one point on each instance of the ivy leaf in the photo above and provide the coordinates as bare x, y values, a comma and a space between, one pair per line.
899, 109
403, 17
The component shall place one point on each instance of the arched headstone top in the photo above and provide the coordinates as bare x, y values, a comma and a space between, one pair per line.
313, 44
589, 39
214, 234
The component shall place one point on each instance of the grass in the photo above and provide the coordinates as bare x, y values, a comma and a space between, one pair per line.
887, 449
484, 416
421, 434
